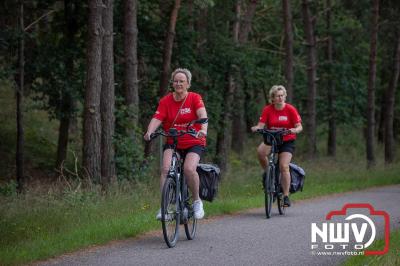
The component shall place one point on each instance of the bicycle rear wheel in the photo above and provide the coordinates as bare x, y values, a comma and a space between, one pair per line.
191, 222
268, 191
281, 207
169, 215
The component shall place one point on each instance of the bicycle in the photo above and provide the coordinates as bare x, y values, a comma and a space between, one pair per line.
176, 201
271, 178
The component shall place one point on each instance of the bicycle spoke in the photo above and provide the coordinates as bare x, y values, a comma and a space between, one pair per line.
191, 222
281, 207
268, 192
169, 217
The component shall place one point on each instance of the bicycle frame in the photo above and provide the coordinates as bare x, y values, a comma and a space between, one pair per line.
175, 192
176, 172
271, 181
273, 164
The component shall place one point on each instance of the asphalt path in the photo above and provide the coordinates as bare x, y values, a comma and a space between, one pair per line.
247, 238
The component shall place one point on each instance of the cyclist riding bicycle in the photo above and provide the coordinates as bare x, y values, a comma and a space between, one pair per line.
279, 115
176, 110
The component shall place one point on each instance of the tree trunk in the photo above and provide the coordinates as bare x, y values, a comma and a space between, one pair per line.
190, 9
224, 136
382, 114
164, 7
131, 61
390, 101
238, 120
380, 124
310, 124
63, 136
331, 86
243, 28
19, 157
107, 97
371, 86
92, 121
246, 22
168, 45
225, 122
289, 76
201, 30
167, 54
66, 100
236, 23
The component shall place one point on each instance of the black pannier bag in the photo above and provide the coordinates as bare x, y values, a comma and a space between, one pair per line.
297, 176
209, 175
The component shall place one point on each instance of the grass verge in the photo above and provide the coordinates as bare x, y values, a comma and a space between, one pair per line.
37, 225
391, 258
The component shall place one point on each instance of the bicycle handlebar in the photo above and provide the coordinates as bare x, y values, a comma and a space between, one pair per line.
173, 133
274, 135
178, 133
273, 132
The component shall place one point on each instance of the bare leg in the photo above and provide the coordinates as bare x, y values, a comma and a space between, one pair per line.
284, 160
262, 153
192, 177
167, 157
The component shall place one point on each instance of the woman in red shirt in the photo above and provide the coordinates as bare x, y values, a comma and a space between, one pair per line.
176, 110
280, 115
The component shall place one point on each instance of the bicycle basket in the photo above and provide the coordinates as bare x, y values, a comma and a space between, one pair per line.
268, 138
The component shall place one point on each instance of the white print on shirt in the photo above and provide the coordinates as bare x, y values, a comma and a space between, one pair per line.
181, 125
282, 118
185, 111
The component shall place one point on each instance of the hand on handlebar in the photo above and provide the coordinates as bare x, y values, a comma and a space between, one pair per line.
201, 133
147, 136
255, 128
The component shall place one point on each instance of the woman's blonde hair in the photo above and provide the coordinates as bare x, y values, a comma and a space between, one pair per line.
184, 71
274, 89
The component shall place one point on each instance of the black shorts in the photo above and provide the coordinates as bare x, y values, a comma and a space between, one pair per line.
198, 149
287, 146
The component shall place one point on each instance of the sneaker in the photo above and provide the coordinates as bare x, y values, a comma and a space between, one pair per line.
158, 216
198, 209
168, 217
286, 201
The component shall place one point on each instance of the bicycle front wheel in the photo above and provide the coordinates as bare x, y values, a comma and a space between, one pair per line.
169, 214
190, 222
268, 191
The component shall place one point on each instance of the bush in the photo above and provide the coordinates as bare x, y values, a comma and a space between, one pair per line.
9, 188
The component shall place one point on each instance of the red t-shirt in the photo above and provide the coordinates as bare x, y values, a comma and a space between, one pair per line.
167, 111
286, 118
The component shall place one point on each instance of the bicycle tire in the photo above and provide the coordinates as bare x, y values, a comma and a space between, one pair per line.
191, 222
268, 191
281, 207
169, 214
279, 195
